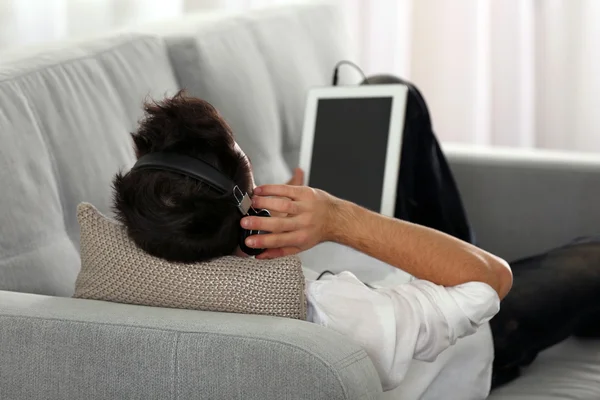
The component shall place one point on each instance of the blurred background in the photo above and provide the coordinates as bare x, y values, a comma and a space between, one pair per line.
517, 73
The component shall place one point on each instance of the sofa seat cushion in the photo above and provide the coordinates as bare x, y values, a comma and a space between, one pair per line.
569, 370
66, 113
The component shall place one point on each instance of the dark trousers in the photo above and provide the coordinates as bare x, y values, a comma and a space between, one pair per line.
554, 295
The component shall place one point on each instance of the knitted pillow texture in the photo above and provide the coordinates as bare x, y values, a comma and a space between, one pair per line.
114, 269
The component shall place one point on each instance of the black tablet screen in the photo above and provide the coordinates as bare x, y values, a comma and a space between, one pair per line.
349, 148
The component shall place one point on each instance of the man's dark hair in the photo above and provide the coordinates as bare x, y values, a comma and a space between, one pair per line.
171, 216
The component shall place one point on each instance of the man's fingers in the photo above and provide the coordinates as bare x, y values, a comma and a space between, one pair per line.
276, 253
273, 224
291, 192
270, 254
277, 204
276, 240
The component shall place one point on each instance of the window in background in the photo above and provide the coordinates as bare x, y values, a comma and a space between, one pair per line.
518, 73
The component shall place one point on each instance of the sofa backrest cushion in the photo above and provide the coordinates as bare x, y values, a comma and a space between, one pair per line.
215, 58
65, 115
256, 68
300, 46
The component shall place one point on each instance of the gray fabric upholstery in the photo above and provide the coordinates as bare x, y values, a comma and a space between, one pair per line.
66, 112
59, 348
569, 370
301, 46
521, 203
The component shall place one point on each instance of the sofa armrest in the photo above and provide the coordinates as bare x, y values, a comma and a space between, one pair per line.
62, 348
522, 202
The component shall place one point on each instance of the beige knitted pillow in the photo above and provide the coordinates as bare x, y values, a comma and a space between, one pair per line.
114, 269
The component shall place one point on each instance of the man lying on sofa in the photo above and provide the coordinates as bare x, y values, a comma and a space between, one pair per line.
457, 287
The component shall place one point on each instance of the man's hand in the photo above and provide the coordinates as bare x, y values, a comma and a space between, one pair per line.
314, 216
309, 217
297, 180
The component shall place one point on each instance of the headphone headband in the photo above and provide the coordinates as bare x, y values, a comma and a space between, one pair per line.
197, 169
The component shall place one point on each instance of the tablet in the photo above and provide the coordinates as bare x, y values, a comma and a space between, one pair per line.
352, 141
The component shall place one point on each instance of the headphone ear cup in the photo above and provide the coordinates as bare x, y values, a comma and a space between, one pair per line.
245, 233
262, 213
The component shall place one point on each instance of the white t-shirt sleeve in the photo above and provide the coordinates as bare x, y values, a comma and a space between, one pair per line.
416, 320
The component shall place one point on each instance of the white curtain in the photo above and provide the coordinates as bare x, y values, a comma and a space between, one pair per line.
522, 73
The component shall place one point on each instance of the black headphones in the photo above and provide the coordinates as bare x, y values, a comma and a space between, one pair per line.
202, 171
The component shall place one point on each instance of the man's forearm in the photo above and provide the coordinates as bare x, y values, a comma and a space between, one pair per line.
422, 252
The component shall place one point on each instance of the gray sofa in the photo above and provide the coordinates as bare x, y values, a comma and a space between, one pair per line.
65, 113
